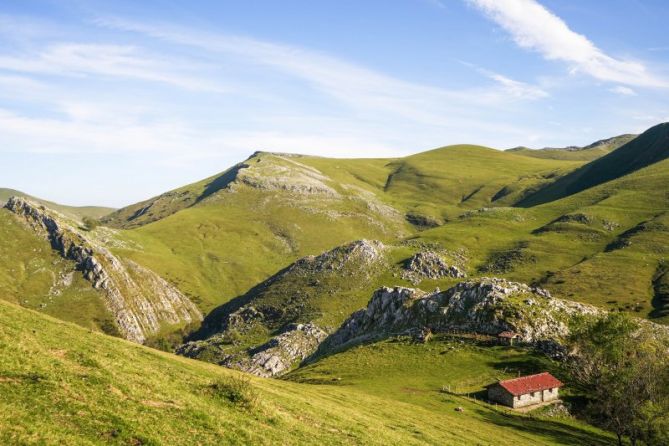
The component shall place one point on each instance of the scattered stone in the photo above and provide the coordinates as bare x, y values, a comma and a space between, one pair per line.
575, 218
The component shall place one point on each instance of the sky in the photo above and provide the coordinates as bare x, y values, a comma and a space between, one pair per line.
108, 102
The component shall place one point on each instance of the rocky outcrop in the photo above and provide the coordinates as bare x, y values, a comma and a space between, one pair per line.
280, 172
138, 298
275, 357
429, 265
355, 259
486, 306
278, 356
363, 252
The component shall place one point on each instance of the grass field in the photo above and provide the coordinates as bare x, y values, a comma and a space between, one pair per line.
60, 383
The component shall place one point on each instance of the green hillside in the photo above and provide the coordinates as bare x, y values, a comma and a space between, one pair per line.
78, 212
217, 245
457, 198
61, 384
587, 153
33, 275
650, 147
288, 247
218, 239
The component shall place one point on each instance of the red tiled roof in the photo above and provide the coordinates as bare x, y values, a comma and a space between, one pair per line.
532, 383
507, 334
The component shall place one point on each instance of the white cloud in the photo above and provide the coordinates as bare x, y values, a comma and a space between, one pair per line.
517, 89
76, 59
534, 27
623, 91
342, 108
356, 86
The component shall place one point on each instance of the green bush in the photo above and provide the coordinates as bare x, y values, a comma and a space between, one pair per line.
236, 389
90, 223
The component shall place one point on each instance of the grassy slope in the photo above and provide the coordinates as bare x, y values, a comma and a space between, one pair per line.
571, 258
562, 154
215, 252
166, 204
227, 243
34, 275
308, 294
648, 148
216, 245
587, 153
78, 212
406, 372
61, 384
465, 177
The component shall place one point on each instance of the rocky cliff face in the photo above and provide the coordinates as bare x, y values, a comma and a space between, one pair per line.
138, 298
486, 306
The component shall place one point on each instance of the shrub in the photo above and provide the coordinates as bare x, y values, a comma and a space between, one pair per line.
236, 389
90, 223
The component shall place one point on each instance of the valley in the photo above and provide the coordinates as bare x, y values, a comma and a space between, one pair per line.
329, 276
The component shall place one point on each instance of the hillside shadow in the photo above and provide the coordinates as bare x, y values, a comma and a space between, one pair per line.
214, 321
651, 147
520, 366
557, 432
221, 181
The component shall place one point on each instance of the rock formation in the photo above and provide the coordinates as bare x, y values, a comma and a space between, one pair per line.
283, 305
138, 298
429, 265
486, 306
273, 358
283, 172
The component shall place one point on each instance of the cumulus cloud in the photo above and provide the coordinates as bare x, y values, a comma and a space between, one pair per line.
534, 27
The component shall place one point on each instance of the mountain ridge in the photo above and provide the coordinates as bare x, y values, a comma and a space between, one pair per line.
650, 147
78, 212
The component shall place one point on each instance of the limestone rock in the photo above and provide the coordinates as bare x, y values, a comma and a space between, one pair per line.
429, 265
281, 172
138, 298
275, 357
486, 306
279, 354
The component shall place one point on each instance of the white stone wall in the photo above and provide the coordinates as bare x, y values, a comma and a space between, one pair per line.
535, 398
498, 394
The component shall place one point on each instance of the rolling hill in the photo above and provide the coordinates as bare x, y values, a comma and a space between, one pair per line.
217, 241
277, 256
586, 153
648, 148
77, 212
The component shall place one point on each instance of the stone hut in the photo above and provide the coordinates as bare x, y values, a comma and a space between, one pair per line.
507, 337
525, 391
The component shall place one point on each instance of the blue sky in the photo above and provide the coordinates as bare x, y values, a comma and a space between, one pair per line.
111, 102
